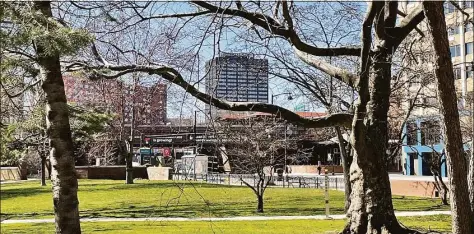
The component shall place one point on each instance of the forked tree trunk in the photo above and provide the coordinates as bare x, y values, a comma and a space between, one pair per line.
371, 209
63, 174
456, 162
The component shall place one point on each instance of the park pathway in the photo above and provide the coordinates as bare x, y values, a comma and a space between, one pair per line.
242, 218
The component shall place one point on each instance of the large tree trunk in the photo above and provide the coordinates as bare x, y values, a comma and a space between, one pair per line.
371, 209
456, 162
470, 179
61, 147
345, 169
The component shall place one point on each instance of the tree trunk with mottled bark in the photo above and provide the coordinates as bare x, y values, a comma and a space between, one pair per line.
64, 181
459, 194
371, 208
470, 179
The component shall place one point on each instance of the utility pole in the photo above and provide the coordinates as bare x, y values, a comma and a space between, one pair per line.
195, 131
129, 166
276, 95
284, 164
326, 192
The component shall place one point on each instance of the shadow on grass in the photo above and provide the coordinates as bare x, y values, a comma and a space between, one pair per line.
23, 192
186, 211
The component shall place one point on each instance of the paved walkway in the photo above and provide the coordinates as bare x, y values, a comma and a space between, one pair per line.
244, 218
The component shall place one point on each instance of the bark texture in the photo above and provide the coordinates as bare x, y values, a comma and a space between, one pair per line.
456, 162
63, 175
371, 209
470, 179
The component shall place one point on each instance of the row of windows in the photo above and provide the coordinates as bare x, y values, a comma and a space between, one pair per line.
453, 30
450, 8
242, 86
456, 49
242, 90
243, 71
469, 72
430, 132
244, 82
240, 95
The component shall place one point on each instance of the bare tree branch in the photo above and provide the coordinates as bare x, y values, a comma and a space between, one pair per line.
22, 91
416, 28
172, 75
343, 75
408, 24
273, 26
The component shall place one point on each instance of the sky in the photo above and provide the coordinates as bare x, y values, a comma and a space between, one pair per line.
180, 104
230, 43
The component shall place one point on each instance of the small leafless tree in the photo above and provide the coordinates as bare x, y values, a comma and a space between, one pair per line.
257, 146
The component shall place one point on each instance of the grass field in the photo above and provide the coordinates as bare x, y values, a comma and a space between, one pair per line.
108, 198
439, 223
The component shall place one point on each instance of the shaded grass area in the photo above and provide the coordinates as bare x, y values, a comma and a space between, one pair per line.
109, 198
438, 222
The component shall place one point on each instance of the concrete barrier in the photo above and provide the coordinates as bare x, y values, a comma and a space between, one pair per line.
109, 172
159, 173
414, 188
313, 169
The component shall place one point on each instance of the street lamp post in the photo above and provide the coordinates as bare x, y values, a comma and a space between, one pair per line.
276, 95
287, 132
195, 131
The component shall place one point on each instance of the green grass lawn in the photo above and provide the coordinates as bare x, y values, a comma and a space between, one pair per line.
108, 198
438, 223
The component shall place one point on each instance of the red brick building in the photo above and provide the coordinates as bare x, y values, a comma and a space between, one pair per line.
117, 97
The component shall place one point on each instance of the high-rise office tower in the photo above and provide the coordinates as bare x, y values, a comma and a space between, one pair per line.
237, 78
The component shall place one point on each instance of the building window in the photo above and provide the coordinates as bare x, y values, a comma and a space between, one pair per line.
449, 8
430, 133
468, 48
467, 4
469, 72
453, 30
455, 51
411, 133
457, 73
468, 28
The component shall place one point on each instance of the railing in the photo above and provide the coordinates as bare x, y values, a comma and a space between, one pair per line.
289, 181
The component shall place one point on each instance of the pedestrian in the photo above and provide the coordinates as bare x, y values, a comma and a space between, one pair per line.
319, 169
